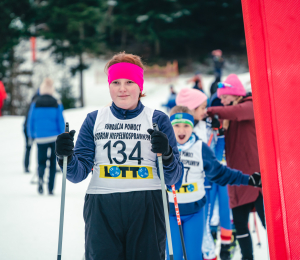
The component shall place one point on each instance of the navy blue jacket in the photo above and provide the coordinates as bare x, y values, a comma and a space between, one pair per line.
45, 118
82, 161
215, 172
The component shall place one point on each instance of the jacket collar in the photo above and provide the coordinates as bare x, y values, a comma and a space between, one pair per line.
247, 98
121, 113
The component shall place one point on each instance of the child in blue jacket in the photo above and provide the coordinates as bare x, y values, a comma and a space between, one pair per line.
199, 162
204, 129
44, 123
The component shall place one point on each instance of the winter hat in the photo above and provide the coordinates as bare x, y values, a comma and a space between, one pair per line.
191, 98
47, 87
217, 52
232, 86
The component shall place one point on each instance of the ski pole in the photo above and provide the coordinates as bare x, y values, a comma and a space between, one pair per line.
256, 228
179, 221
212, 134
164, 196
62, 202
210, 139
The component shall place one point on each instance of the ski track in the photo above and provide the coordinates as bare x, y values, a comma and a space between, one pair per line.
29, 221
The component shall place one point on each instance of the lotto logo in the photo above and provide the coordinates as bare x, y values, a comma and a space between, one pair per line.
188, 188
126, 172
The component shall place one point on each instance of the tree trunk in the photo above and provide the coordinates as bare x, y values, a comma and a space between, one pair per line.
124, 38
11, 88
81, 36
157, 47
81, 80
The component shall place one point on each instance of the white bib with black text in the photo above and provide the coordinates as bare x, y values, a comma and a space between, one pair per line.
192, 188
123, 158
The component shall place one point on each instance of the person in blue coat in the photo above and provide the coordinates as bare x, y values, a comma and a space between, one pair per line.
45, 122
123, 209
171, 100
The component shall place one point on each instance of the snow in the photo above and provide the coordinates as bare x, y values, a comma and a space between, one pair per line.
29, 221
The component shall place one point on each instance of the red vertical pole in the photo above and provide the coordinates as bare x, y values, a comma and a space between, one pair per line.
33, 41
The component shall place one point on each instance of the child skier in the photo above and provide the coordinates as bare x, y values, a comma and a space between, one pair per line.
123, 210
199, 161
197, 101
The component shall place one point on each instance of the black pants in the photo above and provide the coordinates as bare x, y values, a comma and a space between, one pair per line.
42, 160
27, 152
125, 226
240, 219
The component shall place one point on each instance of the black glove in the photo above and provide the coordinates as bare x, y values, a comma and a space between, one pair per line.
160, 144
159, 141
221, 131
64, 145
215, 123
255, 180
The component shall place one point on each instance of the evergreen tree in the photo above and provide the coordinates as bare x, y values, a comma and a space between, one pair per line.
142, 21
178, 28
15, 16
66, 94
73, 28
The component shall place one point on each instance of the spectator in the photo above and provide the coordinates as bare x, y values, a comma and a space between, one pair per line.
214, 85
3, 96
171, 100
218, 62
241, 154
45, 122
197, 80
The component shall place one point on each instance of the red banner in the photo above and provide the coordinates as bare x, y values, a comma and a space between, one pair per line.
273, 47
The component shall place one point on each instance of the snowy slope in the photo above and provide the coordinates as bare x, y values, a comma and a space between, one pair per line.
29, 222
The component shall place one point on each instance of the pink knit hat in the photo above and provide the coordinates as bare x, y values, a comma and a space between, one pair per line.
191, 98
236, 87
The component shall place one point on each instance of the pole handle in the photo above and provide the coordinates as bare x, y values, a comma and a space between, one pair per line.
67, 127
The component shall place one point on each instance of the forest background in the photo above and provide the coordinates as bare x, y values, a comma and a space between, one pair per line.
158, 31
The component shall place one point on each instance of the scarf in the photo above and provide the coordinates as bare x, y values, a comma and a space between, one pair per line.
188, 144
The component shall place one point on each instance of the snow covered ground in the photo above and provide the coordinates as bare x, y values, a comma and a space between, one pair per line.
28, 221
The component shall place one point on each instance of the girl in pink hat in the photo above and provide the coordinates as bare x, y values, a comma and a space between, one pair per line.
241, 154
123, 209
196, 101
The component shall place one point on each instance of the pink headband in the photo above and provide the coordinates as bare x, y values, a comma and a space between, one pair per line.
124, 70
